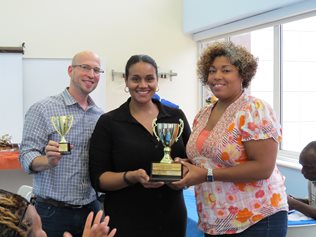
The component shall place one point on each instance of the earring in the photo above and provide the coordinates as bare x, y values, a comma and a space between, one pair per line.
157, 89
126, 89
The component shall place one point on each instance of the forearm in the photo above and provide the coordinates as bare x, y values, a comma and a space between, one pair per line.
249, 171
304, 208
112, 181
40, 163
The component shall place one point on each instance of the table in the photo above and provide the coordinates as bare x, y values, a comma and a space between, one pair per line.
300, 225
9, 160
192, 227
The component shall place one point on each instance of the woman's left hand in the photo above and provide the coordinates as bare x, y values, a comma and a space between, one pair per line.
193, 175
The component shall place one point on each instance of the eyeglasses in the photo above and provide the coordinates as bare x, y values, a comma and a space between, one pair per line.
88, 68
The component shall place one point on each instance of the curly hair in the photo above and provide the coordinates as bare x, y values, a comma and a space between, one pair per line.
12, 211
237, 55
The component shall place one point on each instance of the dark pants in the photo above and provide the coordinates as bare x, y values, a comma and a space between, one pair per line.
271, 226
57, 220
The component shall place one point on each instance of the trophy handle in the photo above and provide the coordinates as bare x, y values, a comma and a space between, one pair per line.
181, 126
154, 125
53, 119
71, 118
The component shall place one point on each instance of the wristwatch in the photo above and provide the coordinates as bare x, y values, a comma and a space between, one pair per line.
209, 177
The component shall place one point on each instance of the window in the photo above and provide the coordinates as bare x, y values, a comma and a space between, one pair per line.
287, 57
298, 83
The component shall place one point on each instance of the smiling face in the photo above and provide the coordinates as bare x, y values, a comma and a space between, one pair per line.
142, 82
224, 80
84, 81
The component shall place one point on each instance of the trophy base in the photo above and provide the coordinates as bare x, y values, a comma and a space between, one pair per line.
64, 148
164, 172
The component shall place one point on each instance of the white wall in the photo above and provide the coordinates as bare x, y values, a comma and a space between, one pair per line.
115, 30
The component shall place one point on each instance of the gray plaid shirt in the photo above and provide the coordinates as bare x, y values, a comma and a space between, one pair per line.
312, 193
69, 181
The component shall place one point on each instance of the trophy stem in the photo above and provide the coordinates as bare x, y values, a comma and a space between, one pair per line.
166, 158
63, 140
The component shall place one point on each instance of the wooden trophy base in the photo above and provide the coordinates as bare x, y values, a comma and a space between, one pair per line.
164, 172
64, 148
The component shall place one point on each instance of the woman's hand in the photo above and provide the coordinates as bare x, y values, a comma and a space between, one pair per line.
151, 184
192, 176
98, 229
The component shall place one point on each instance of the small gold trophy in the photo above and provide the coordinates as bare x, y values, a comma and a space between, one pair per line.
62, 125
168, 134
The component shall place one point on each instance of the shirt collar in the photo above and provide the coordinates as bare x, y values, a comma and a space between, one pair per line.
70, 100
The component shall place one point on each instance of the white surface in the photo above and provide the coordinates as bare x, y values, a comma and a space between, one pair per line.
303, 230
199, 15
25, 191
11, 96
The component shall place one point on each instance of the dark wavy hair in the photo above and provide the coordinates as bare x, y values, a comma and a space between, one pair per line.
237, 55
140, 58
12, 211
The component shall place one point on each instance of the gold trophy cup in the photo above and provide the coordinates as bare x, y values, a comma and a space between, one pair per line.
62, 125
166, 170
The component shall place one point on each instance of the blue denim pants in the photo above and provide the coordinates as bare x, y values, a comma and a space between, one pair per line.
271, 226
57, 220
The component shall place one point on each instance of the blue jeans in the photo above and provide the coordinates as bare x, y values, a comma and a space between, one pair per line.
271, 226
57, 220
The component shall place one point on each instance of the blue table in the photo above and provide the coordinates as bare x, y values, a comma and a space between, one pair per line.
300, 225
192, 228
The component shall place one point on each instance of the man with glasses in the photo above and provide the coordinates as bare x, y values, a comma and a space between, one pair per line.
61, 184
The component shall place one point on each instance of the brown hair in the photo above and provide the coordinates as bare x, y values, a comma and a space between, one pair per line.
12, 211
237, 55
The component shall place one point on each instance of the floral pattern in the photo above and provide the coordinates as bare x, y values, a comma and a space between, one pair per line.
226, 207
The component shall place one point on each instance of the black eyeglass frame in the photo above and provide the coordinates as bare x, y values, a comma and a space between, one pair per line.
87, 67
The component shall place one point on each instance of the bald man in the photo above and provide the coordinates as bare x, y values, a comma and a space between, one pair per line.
61, 185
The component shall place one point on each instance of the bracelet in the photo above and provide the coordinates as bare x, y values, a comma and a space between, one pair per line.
129, 183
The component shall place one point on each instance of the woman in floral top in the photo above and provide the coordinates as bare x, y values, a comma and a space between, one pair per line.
232, 152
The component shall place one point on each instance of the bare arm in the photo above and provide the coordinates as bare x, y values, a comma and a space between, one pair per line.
301, 206
261, 155
51, 159
261, 162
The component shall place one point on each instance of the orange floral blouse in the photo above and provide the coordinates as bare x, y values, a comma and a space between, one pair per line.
227, 207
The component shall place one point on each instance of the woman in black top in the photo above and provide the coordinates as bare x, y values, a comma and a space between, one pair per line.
122, 149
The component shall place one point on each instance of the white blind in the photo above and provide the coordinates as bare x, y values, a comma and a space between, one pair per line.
266, 19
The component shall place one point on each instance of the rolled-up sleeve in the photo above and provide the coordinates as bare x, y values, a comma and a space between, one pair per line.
35, 136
